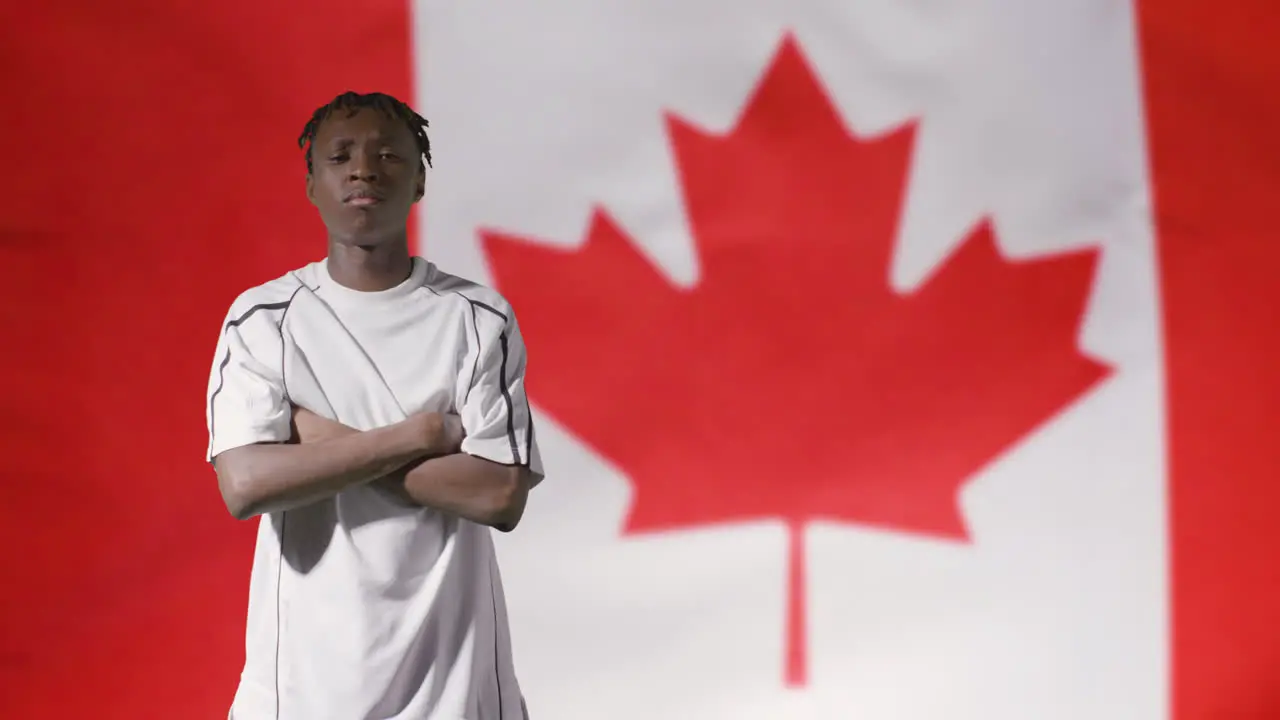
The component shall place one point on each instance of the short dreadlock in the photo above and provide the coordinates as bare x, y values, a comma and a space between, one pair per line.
354, 102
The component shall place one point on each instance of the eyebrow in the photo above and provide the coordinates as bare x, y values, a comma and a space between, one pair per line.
376, 138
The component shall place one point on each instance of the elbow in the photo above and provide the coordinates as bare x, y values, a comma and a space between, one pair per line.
236, 495
240, 509
508, 501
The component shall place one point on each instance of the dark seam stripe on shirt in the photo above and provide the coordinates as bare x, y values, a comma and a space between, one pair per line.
497, 649
284, 521
506, 396
479, 304
475, 303
528, 431
226, 360
502, 373
475, 366
502, 381
284, 381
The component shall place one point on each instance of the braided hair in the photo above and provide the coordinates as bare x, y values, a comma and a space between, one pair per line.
354, 102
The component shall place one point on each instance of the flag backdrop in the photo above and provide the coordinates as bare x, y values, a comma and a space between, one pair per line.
890, 361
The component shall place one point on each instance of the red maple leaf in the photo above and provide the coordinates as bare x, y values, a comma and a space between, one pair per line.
792, 382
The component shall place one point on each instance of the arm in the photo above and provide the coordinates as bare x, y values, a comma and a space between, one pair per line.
251, 432
262, 478
472, 488
489, 481
500, 455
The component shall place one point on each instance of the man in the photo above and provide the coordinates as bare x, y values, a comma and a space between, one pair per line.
372, 409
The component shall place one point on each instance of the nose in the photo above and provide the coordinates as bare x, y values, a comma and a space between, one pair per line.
363, 167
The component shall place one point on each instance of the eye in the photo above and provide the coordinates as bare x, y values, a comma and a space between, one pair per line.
338, 158
388, 155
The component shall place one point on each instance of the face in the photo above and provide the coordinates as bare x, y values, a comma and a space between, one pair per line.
366, 175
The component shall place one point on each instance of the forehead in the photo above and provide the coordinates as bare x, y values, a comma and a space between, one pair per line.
343, 125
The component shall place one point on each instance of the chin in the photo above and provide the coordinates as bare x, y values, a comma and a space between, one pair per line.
364, 236
364, 241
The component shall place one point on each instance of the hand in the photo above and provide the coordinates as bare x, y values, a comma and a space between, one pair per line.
437, 433
454, 434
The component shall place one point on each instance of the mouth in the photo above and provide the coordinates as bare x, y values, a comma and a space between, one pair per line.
363, 198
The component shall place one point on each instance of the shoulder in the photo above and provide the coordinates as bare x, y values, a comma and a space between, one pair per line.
267, 301
482, 297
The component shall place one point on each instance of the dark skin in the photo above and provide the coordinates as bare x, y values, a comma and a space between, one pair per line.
367, 175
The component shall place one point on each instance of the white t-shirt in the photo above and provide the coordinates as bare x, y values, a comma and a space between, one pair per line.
361, 606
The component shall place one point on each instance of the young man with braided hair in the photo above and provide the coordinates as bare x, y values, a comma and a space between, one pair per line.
371, 408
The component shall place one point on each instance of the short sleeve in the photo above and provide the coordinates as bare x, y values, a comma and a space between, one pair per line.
495, 412
246, 401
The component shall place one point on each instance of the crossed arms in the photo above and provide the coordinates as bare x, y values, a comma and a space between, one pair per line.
418, 458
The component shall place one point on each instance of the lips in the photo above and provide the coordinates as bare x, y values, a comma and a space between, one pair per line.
363, 198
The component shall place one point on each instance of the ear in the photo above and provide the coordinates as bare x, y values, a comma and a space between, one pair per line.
420, 183
311, 188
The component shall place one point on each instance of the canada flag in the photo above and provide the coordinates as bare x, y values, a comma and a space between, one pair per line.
890, 361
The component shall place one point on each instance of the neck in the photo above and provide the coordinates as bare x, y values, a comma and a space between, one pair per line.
370, 268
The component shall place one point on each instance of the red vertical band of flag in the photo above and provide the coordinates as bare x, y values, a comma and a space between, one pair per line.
1212, 80
151, 174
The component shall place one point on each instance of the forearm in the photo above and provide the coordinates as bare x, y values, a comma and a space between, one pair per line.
470, 487
258, 479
